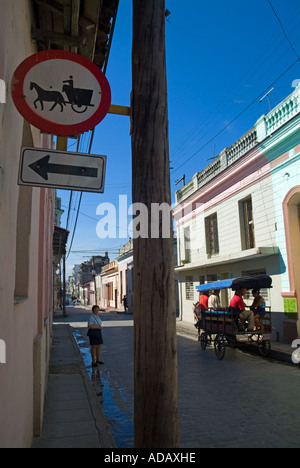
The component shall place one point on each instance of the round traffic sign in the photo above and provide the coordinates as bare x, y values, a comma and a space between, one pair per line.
60, 92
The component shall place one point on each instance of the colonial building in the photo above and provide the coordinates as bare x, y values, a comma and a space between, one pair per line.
28, 240
107, 286
26, 253
125, 275
88, 270
240, 216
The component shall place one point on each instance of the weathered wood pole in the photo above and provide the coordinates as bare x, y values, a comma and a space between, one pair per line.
156, 373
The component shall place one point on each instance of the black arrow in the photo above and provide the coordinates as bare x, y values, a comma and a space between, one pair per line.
43, 168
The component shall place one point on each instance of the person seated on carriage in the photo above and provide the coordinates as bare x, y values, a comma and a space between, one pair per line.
239, 305
214, 302
203, 301
197, 315
200, 307
70, 82
258, 308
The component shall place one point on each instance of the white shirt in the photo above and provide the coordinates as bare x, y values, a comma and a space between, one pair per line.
214, 302
95, 321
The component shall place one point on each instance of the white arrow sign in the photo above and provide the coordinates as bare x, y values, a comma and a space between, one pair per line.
62, 170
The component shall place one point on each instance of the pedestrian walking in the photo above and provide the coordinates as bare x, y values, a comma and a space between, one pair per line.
125, 303
95, 335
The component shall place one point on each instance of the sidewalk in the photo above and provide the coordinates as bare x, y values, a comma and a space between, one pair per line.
279, 351
73, 415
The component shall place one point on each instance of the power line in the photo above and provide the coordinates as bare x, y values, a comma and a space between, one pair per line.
235, 118
100, 221
71, 194
270, 50
75, 226
283, 29
210, 118
92, 136
80, 199
108, 249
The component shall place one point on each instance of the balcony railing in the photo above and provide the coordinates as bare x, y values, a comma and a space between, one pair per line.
264, 127
241, 147
285, 111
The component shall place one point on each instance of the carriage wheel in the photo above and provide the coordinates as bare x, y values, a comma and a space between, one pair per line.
265, 348
220, 346
79, 109
203, 341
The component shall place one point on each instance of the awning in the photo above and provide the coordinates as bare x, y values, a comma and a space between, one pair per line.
257, 253
85, 27
249, 282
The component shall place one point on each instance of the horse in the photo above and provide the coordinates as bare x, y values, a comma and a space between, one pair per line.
48, 96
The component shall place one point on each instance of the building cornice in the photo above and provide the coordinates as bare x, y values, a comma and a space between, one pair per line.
245, 255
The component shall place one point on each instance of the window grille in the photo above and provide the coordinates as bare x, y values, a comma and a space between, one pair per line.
189, 288
212, 235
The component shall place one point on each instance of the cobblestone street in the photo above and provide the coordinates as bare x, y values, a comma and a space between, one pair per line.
243, 401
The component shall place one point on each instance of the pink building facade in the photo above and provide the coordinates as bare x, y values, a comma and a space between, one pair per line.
125, 277
26, 237
107, 286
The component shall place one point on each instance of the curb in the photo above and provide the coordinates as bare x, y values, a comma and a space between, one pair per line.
101, 423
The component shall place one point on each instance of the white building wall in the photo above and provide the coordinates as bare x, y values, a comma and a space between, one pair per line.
284, 179
266, 173
229, 224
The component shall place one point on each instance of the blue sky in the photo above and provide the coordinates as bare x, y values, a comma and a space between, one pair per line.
222, 57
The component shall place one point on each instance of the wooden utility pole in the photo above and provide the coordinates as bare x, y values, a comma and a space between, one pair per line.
156, 373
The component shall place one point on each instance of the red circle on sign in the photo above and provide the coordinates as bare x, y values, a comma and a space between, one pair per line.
44, 124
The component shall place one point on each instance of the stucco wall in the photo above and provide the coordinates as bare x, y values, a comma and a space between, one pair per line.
24, 271
267, 174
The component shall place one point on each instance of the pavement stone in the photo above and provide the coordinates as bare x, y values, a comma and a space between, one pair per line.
73, 416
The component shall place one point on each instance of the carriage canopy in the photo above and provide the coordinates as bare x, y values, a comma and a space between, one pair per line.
249, 282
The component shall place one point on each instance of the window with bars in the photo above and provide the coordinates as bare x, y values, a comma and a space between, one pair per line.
212, 235
247, 223
189, 288
187, 244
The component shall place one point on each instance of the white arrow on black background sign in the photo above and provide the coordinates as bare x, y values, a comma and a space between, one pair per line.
62, 170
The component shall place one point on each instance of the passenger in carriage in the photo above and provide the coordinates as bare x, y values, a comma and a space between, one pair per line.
214, 302
200, 307
203, 301
238, 303
259, 309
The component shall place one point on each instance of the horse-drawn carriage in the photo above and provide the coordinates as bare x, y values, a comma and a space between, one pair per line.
223, 326
79, 99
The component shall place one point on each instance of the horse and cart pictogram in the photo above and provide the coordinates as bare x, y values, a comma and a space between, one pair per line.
61, 93
79, 99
